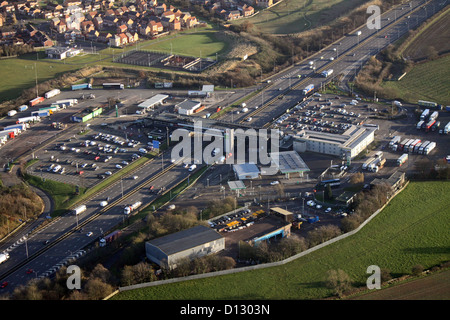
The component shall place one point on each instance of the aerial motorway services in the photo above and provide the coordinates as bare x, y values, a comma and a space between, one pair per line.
47, 249
345, 57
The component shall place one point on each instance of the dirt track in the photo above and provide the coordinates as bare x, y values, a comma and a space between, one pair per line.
433, 287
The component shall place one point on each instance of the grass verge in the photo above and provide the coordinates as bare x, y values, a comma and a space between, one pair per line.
411, 230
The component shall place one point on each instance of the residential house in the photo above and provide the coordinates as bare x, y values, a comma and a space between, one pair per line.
98, 22
247, 11
115, 41
87, 26
160, 9
122, 28
263, 3
175, 24
104, 37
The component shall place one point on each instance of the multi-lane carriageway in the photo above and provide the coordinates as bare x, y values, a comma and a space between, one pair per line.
65, 237
345, 56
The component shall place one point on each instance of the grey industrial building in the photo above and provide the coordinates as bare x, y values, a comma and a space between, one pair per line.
153, 101
191, 243
347, 145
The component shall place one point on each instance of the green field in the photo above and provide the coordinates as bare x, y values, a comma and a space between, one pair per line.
18, 74
426, 81
293, 16
411, 230
197, 44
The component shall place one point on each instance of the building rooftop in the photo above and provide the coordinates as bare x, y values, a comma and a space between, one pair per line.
185, 239
153, 100
289, 161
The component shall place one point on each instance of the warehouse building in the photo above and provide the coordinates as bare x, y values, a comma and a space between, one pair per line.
246, 171
347, 145
191, 243
187, 107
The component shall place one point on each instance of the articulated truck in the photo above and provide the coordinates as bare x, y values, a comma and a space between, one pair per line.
130, 208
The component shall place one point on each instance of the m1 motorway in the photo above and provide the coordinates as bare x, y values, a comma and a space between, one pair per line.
344, 56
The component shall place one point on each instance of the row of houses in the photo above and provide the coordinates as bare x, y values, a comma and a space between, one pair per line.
116, 25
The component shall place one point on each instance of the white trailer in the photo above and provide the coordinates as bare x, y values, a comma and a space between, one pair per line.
79, 209
412, 145
424, 114
423, 146
420, 124
395, 139
52, 93
29, 119
366, 164
70, 102
402, 159
429, 147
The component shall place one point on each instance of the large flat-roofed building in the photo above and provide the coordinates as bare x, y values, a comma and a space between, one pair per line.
187, 107
153, 101
191, 243
348, 145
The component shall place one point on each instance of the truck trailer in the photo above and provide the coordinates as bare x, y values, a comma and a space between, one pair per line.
413, 145
422, 146
29, 119
35, 101
70, 102
81, 86
402, 159
130, 208
424, 114
419, 124
22, 108
395, 140
52, 93
446, 129
434, 115
429, 148
327, 73
308, 89
367, 163
80, 209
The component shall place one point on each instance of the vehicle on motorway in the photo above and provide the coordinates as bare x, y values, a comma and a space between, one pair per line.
273, 183
327, 209
90, 233
79, 209
4, 257
193, 167
135, 177
108, 173
318, 206
4, 284
130, 208
103, 203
